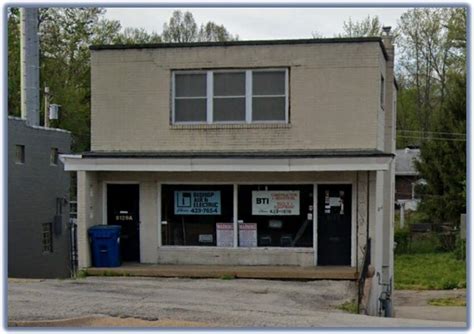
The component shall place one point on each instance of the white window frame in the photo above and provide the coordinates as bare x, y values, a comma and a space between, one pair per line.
285, 95
173, 95
210, 95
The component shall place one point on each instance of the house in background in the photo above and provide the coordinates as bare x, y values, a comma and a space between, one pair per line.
406, 174
38, 191
274, 152
406, 180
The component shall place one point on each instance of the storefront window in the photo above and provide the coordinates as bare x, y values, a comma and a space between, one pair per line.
197, 215
275, 215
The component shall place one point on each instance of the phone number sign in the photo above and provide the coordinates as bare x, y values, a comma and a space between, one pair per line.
197, 203
276, 203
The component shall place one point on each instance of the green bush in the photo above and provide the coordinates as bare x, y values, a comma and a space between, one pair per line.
402, 238
425, 243
460, 250
447, 241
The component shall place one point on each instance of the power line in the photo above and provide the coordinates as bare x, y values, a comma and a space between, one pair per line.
432, 138
435, 132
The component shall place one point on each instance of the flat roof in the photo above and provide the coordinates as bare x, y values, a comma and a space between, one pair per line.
38, 127
243, 43
239, 154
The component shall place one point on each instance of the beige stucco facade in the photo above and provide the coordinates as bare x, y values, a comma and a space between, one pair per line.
334, 99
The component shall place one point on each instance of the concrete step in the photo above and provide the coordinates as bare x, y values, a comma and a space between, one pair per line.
219, 271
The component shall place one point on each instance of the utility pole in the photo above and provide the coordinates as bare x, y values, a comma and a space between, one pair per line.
46, 106
29, 58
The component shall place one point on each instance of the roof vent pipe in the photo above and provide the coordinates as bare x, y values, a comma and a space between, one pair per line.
29, 57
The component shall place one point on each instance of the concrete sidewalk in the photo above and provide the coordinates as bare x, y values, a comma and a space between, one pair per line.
414, 305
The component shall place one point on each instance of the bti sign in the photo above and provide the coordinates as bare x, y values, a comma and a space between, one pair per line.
197, 203
276, 203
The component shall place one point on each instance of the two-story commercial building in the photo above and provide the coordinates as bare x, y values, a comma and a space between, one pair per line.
271, 152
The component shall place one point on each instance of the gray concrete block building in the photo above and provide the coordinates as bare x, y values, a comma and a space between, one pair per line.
38, 193
244, 153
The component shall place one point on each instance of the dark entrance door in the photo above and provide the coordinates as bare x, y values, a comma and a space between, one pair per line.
334, 224
122, 209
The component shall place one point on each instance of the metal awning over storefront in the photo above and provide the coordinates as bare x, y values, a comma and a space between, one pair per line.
270, 161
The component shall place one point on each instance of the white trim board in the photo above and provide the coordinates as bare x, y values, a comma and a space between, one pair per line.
320, 164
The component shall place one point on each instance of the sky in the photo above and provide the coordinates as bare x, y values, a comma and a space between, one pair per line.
259, 23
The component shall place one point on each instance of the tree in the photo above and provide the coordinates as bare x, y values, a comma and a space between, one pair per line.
65, 37
182, 28
429, 45
443, 162
136, 36
211, 32
368, 27
439, 49
14, 107
317, 34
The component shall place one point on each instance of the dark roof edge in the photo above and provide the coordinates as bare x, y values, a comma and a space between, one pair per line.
38, 127
240, 43
251, 154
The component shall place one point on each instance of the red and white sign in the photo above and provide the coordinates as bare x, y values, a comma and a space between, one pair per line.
248, 234
276, 203
225, 234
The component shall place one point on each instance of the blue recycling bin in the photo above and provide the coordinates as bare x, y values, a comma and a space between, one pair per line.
105, 245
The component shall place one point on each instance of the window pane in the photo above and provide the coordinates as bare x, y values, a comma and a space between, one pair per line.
189, 85
190, 110
287, 227
268, 83
268, 109
197, 215
226, 110
229, 84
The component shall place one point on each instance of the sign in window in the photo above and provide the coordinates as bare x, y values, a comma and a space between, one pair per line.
275, 203
197, 203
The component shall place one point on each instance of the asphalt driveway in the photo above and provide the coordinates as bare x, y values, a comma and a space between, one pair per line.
171, 302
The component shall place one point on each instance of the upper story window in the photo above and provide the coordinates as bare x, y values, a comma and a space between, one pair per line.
20, 154
230, 96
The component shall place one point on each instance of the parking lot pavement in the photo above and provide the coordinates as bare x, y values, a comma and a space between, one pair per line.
213, 302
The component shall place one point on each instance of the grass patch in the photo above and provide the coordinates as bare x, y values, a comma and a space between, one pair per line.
448, 302
432, 271
81, 274
228, 277
349, 307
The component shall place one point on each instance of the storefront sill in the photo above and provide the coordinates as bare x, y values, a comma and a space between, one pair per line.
257, 249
